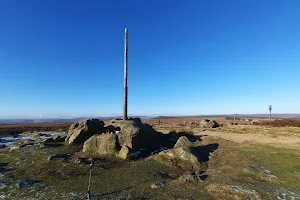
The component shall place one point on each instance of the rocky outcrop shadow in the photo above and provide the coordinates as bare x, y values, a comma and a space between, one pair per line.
203, 152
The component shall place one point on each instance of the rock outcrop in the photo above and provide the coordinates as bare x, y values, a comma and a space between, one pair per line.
80, 131
209, 124
134, 134
119, 137
133, 139
180, 157
102, 144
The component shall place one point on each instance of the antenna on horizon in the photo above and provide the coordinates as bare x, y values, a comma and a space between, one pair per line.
270, 110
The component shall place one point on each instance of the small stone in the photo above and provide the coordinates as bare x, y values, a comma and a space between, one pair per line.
157, 185
55, 156
188, 177
27, 142
20, 162
77, 161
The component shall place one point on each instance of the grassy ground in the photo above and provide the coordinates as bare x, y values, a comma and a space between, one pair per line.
229, 171
230, 166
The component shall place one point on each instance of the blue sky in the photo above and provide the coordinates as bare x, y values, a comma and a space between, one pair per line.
64, 58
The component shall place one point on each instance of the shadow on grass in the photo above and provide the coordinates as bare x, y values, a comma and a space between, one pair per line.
168, 141
3, 169
52, 144
3, 164
27, 183
203, 152
173, 136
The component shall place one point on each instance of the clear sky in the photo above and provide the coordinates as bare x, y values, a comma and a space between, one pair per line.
64, 58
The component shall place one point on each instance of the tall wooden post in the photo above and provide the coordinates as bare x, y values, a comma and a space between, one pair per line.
125, 100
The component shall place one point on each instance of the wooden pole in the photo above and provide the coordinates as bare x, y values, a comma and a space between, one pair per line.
125, 98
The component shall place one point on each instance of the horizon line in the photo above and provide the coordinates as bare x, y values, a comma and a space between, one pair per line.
150, 116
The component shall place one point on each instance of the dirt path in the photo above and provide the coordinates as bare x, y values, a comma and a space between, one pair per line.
291, 142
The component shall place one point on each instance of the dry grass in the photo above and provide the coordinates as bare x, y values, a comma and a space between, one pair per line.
259, 130
282, 137
20, 128
280, 123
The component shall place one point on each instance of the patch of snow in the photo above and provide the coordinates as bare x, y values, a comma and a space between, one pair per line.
2, 185
36, 137
25, 183
263, 171
283, 194
14, 147
242, 189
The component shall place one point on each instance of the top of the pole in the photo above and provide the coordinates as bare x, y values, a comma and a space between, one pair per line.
126, 29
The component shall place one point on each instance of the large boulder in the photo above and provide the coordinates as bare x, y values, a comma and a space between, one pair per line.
80, 131
180, 157
183, 141
102, 144
134, 134
209, 124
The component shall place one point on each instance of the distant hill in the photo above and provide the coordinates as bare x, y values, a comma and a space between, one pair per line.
56, 120
285, 116
276, 116
36, 121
